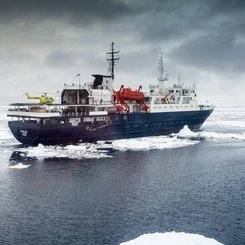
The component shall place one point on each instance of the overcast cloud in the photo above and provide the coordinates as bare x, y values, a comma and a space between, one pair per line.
45, 44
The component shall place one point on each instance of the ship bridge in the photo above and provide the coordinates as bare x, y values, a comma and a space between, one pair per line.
102, 82
75, 96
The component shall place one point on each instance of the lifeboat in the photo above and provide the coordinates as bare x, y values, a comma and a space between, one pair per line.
129, 94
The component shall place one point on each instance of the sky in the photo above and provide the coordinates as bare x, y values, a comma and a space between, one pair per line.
46, 43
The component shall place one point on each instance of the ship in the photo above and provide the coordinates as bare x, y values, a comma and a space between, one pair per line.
94, 111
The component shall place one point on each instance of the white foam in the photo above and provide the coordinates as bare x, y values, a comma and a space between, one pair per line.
186, 133
100, 150
19, 166
71, 151
149, 143
172, 238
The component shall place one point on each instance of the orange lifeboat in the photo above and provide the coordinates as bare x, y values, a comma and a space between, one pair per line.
129, 94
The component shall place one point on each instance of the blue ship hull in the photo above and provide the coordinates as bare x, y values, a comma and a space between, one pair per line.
120, 126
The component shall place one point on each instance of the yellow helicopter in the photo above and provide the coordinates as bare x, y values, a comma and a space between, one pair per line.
43, 99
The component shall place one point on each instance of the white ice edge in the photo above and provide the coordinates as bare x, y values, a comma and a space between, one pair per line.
81, 151
186, 133
172, 238
19, 166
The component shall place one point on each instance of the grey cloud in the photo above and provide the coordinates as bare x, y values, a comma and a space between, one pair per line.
55, 40
140, 62
171, 20
16, 57
62, 59
155, 20
227, 7
74, 11
219, 53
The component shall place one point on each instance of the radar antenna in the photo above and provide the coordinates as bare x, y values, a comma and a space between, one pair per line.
161, 68
112, 58
179, 78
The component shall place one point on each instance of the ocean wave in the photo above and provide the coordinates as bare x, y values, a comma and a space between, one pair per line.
172, 238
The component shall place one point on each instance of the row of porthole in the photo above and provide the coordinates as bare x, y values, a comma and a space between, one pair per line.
171, 107
159, 124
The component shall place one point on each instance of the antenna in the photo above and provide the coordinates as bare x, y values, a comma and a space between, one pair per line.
161, 68
112, 58
78, 75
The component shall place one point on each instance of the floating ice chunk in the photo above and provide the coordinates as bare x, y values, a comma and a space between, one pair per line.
149, 143
75, 147
172, 238
19, 166
71, 151
42, 151
186, 133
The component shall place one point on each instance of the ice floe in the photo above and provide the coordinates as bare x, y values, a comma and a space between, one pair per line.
186, 133
172, 238
19, 166
149, 143
71, 151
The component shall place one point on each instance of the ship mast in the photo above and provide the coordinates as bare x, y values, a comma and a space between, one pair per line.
112, 58
161, 70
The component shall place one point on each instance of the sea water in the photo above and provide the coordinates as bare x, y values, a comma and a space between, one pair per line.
185, 188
